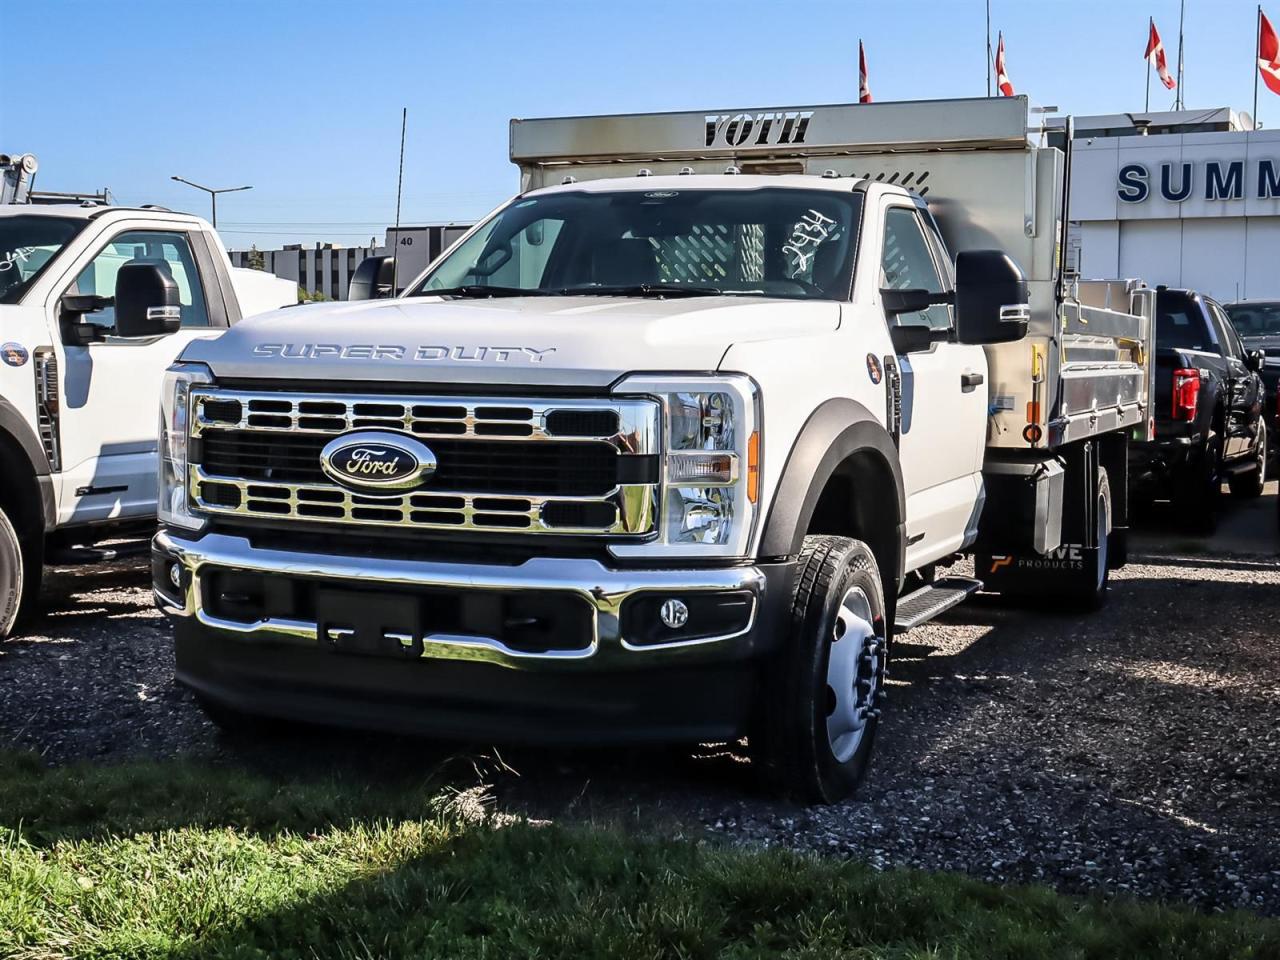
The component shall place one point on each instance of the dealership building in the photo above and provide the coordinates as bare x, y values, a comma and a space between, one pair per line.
1187, 199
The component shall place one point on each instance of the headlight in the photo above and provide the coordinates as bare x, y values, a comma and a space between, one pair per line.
175, 428
711, 465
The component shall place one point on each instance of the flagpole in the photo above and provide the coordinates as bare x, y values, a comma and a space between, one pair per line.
989, 47
1257, 56
1151, 24
1179, 101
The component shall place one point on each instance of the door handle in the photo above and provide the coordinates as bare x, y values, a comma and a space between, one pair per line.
971, 380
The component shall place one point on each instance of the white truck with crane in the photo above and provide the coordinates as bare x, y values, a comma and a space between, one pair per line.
82, 358
669, 447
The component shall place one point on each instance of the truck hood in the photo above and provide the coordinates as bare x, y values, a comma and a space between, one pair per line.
564, 341
1267, 341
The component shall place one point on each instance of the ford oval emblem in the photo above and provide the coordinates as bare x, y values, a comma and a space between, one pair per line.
377, 462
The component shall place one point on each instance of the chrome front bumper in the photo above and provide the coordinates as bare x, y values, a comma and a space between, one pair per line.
604, 589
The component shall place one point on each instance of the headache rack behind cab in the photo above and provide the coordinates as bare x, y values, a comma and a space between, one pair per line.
985, 170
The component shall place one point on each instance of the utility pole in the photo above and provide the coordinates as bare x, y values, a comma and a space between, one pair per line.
988, 48
395, 251
213, 194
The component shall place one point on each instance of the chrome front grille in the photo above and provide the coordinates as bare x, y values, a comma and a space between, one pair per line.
46, 367
573, 466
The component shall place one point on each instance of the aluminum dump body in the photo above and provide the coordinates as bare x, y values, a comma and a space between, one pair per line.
990, 181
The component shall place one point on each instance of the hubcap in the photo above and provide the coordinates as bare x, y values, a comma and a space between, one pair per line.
855, 668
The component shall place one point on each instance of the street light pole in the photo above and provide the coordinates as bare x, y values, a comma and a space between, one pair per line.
212, 192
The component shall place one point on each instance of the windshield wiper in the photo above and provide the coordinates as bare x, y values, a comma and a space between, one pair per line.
479, 292
641, 290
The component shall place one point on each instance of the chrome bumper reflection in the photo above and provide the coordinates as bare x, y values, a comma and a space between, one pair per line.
604, 589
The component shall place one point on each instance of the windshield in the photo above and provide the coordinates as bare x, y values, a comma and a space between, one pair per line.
27, 245
772, 242
1255, 319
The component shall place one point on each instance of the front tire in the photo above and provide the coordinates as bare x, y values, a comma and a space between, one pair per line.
821, 696
12, 576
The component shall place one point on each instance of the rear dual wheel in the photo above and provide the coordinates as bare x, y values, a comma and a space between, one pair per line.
1089, 590
821, 697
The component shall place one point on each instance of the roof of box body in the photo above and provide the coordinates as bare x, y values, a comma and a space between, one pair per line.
920, 125
703, 181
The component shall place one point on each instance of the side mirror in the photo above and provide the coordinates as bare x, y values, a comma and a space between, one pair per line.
147, 301
372, 279
992, 300
1255, 360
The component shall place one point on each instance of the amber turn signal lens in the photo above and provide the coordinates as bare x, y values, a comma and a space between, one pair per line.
753, 467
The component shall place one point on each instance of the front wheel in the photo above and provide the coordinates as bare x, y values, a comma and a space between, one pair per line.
821, 697
11, 576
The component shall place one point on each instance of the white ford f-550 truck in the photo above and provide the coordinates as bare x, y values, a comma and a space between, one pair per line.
667, 446
84, 346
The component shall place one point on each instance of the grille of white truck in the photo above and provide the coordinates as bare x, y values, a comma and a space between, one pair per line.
501, 464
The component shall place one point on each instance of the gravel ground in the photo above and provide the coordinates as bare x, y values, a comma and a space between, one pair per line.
1128, 752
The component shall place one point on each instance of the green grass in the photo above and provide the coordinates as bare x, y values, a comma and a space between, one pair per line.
179, 860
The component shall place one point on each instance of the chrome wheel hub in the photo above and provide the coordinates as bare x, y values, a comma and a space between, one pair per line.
855, 673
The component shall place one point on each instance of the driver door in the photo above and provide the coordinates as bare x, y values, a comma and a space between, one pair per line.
944, 397
110, 390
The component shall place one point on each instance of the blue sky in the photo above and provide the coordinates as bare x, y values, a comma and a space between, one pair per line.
302, 99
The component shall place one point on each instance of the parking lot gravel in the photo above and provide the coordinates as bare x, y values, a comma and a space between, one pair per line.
1129, 752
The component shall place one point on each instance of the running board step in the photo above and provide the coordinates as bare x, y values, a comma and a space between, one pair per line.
924, 604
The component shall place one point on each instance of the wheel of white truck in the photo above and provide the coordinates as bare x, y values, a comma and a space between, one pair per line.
11, 576
822, 698
1248, 483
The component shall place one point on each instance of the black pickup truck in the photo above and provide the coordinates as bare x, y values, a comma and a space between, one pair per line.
1208, 411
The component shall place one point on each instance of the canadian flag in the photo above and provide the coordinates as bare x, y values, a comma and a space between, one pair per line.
864, 89
1268, 53
1002, 77
1155, 55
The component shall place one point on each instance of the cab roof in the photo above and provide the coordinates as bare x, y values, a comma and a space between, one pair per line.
89, 211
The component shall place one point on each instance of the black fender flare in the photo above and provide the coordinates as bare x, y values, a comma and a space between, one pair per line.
834, 432
13, 424
15, 428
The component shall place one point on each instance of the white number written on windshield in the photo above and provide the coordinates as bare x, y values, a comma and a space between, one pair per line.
809, 233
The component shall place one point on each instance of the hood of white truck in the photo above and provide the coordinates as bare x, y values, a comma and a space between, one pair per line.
567, 341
